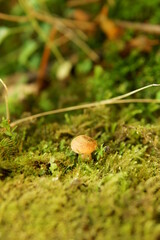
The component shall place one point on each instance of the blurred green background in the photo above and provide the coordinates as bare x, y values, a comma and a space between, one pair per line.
85, 62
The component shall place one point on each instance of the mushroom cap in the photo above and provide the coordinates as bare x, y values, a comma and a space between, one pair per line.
83, 144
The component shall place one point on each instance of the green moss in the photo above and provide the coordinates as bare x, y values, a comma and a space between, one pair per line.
47, 191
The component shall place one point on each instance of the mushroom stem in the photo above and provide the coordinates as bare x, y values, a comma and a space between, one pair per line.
6, 100
86, 156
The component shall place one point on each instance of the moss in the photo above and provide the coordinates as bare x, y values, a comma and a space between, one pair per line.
47, 191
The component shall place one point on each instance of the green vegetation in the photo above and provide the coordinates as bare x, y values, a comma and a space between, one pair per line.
46, 190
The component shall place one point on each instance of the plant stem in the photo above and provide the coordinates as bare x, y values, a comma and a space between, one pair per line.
137, 26
116, 100
6, 100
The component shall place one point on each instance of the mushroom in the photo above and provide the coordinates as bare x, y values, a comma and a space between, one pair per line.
83, 145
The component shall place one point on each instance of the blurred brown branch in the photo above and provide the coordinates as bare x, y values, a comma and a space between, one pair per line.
69, 33
84, 25
44, 61
74, 3
12, 18
143, 27
67, 27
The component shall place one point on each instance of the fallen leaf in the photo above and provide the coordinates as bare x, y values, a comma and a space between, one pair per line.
143, 43
108, 26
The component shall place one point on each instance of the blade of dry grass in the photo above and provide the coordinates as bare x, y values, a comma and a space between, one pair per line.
6, 99
75, 3
143, 27
12, 18
134, 91
50, 19
116, 100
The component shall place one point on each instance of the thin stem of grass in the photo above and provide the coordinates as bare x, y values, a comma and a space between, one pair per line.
6, 99
133, 92
143, 27
116, 100
73, 3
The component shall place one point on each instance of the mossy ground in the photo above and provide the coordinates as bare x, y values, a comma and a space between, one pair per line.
48, 192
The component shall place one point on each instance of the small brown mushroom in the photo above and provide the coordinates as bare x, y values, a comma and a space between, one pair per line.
84, 145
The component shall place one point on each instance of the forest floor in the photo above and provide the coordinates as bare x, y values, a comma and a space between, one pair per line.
49, 192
